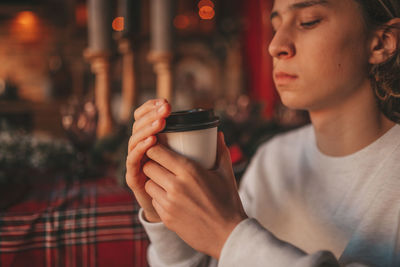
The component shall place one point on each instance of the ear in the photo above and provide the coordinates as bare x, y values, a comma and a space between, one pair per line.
385, 41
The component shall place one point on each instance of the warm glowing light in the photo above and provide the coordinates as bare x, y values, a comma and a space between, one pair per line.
205, 3
206, 12
81, 15
118, 24
26, 27
181, 22
26, 19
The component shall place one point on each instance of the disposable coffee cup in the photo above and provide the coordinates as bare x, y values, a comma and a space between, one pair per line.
193, 134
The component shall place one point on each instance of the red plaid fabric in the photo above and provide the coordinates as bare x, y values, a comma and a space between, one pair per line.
91, 223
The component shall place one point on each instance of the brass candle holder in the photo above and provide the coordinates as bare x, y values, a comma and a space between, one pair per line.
100, 65
162, 67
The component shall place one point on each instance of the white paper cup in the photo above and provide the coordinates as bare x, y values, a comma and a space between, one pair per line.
193, 134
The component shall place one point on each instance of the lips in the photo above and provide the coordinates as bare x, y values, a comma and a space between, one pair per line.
283, 78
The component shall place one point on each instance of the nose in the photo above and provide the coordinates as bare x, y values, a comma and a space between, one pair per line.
282, 46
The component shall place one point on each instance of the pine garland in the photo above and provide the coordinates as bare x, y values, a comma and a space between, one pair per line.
25, 157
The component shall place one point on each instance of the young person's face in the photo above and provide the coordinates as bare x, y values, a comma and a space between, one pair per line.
323, 45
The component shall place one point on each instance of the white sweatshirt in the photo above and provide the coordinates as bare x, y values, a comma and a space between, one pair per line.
306, 209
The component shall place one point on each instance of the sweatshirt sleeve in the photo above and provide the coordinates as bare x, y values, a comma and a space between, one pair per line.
252, 245
167, 249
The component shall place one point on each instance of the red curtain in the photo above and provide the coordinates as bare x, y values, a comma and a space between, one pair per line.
257, 35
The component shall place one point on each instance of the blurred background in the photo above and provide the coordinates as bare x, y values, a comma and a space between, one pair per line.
77, 69
73, 71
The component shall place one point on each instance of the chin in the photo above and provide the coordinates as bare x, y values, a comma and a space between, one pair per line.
294, 102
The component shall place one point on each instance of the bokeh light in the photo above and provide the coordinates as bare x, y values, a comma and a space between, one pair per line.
118, 24
26, 26
81, 15
26, 19
181, 22
205, 3
206, 12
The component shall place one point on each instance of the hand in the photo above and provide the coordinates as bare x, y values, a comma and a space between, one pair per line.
149, 120
201, 206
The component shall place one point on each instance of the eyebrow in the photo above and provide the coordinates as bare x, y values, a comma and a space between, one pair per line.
301, 5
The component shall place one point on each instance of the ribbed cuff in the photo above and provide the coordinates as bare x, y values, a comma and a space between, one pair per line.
166, 246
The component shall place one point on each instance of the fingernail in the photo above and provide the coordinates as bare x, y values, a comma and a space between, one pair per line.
155, 123
148, 140
159, 103
162, 109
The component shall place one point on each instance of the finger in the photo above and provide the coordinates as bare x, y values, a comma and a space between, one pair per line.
158, 208
144, 133
134, 158
148, 106
158, 113
143, 199
158, 174
167, 158
155, 191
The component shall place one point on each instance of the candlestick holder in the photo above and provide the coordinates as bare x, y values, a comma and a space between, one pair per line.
162, 67
100, 65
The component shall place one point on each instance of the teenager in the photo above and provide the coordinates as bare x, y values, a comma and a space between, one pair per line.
327, 194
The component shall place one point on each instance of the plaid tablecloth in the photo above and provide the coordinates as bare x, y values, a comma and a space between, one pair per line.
91, 223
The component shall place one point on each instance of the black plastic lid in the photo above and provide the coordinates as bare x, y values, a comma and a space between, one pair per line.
189, 120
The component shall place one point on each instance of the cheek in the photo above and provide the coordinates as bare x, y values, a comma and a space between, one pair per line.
340, 62
329, 71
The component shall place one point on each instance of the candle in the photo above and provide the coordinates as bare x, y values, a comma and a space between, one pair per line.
161, 25
125, 9
99, 25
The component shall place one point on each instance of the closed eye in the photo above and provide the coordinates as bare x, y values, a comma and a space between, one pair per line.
310, 24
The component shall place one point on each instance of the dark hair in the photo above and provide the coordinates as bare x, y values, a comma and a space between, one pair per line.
385, 77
